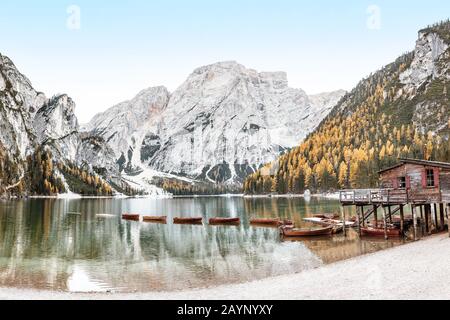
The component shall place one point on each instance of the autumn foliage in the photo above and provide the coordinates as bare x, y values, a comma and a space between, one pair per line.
369, 131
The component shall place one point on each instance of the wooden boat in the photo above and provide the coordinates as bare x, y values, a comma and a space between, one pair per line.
224, 221
297, 233
379, 232
188, 220
74, 213
105, 215
330, 216
329, 222
155, 219
130, 216
270, 222
395, 222
305, 239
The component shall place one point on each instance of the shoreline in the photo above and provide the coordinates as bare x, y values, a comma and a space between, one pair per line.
418, 270
330, 196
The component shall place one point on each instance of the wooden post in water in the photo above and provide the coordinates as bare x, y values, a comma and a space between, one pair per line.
402, 220
363, 217
427, 218
413, 210
375, 214
358, 220
343, 220
442, 216
430, 219
385, 223
436, 223
422, 221
390, 214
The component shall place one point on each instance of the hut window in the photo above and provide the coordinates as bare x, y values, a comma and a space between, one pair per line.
430, 178
402, 182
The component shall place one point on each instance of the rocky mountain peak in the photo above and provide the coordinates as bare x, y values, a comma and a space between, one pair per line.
220, 125
221, 72
57, 126
429, 48
223, 122
126, 124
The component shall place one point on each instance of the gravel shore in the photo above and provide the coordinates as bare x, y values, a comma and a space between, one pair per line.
419, 270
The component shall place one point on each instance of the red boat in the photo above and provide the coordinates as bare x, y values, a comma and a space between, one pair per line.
130, 216
224, 221
297, 233
270, 222
155, 219
188, 220
379, 232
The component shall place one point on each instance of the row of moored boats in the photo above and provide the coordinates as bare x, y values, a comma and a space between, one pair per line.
328, 225
212, 221
286, 227
371, 229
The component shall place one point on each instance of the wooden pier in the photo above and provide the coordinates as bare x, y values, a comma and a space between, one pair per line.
424, 186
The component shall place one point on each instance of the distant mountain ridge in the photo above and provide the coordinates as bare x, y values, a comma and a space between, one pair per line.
220, 125
40, 139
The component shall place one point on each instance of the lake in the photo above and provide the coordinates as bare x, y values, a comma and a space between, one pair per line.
83, 245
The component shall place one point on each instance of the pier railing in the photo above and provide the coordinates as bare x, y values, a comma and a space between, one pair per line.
374, 196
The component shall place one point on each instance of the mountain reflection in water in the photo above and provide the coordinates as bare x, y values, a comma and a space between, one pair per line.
84, 245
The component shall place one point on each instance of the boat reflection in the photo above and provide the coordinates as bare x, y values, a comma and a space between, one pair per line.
84, 245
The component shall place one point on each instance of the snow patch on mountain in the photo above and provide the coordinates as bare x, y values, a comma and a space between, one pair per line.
220, 125
144, 181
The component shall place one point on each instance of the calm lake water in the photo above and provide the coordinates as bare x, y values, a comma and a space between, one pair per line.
83, 245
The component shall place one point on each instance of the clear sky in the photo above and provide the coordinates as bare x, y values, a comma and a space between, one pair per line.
103, 52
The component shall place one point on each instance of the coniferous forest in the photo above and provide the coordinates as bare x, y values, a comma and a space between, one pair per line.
370, 129
44, 176
179, 187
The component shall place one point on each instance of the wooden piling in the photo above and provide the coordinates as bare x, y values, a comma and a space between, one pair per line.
358, 220
385, 223
363, 216
427, 218
402, 220
442, 216
422, 221
343, 219
375, 214
413, 210
436, 223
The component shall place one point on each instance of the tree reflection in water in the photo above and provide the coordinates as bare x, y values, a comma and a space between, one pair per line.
84, 245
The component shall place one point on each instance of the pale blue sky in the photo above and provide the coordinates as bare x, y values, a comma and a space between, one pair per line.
126, 46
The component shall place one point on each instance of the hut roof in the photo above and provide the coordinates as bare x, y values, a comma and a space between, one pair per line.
402, 162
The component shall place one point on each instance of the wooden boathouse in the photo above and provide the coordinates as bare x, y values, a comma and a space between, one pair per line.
422, 185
